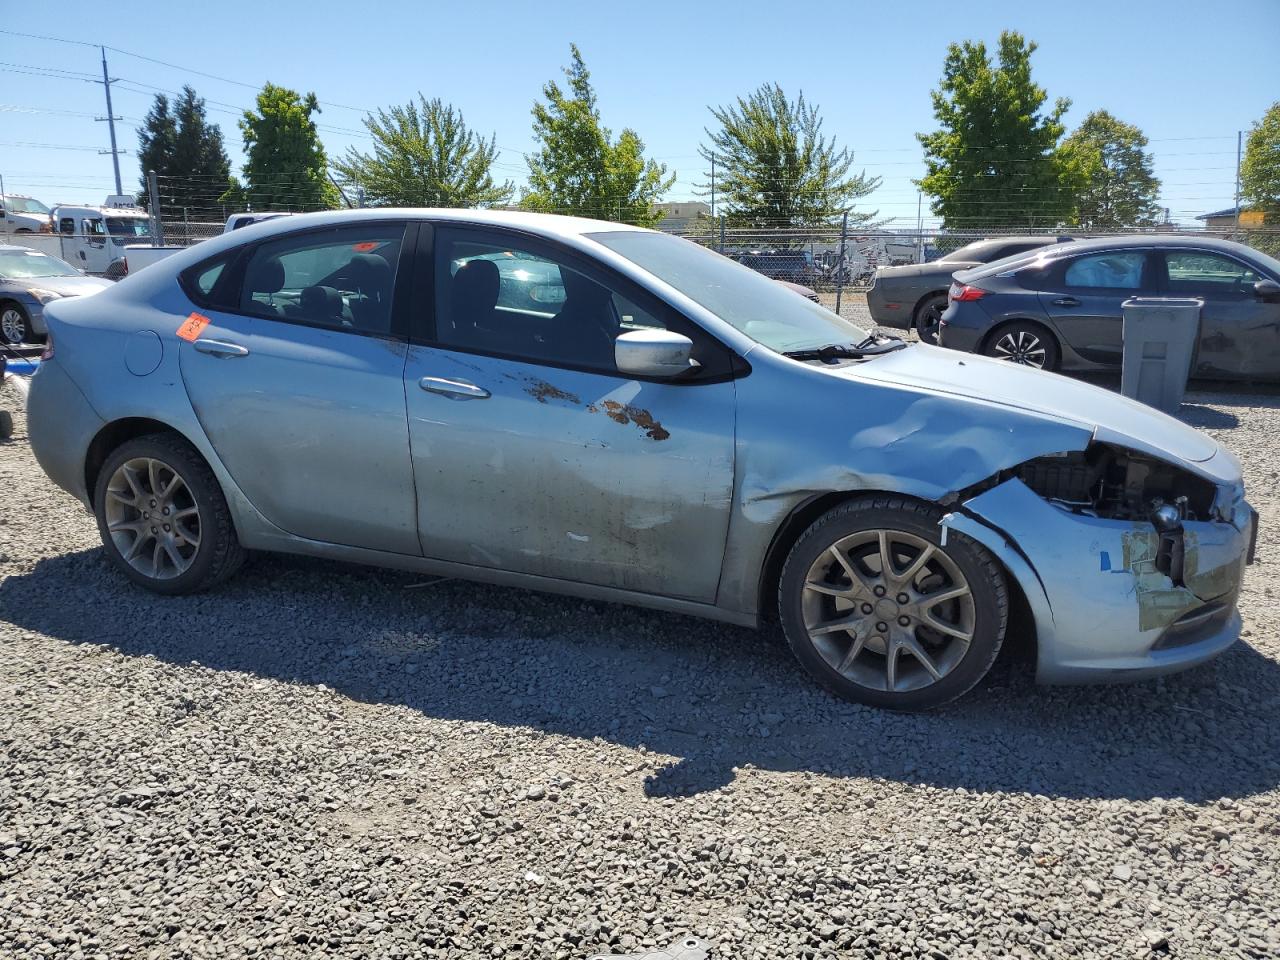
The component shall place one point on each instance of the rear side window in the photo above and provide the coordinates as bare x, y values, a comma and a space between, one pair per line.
1115, 270
342, 278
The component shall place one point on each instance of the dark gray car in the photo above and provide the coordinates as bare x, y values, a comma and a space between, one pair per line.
1061, 307
916, 294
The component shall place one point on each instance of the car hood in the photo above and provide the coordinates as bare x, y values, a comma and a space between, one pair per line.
66, 286
1111, 417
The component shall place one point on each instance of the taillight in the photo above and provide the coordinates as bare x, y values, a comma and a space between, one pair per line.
962, 293
47, 352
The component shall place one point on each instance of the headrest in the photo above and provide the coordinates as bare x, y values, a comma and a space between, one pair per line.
369, 270
321, 301
265, 276
478, 277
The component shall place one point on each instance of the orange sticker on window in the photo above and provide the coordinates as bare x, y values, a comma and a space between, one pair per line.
193, 326
364, 246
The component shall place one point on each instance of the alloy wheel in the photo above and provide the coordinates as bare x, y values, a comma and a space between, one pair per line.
1020, 346
152, 518
888, 610
13, 326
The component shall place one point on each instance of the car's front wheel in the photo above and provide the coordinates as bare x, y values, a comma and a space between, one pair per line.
1024, 343
15, 325
162, 516
882, 612
928, 316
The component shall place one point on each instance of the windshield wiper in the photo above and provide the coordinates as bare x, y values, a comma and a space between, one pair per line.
870, 347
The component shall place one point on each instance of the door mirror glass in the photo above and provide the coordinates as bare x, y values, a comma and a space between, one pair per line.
653, 353
1267, 290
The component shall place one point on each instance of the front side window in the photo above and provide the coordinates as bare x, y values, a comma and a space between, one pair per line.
1193, 272
1115, 270
341, 278
499, 295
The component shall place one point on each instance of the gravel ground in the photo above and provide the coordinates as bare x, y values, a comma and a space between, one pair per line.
321, 760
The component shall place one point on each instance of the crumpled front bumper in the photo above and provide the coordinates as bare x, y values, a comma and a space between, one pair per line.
1103, 611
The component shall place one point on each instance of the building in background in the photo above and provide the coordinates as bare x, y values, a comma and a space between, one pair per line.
677, 216
1226, 219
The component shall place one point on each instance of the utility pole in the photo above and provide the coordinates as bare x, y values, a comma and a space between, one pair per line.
111, 119
1239, 155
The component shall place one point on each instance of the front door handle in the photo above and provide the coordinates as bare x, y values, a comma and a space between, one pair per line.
457, 389
1066, 302
221, 349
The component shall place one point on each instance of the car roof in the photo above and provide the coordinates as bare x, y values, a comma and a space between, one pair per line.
546, 224
1158, 241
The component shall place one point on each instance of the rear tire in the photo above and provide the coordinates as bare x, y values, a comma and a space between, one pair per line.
162, 517
910, 632
1024, 342
927, 316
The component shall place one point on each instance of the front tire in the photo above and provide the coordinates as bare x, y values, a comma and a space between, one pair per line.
162, 517
15, 325
928, 315
881, 613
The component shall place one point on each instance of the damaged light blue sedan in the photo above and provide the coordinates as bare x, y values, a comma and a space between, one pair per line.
613, 413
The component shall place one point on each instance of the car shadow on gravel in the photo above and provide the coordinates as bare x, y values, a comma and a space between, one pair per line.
705, 698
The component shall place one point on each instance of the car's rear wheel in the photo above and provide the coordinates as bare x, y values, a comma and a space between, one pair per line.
1025, 343
881, 612
15, 325
928, 315
162, 516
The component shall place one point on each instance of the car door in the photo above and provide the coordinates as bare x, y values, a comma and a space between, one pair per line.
533, 454
1239, 331
1082, 296
297, 379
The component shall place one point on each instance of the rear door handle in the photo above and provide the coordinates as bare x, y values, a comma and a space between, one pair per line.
457, 389
1066, 302
221, 349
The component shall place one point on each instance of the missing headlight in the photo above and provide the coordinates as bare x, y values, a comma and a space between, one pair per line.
1118, 484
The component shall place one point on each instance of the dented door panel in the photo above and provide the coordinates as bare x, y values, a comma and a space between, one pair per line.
578, 476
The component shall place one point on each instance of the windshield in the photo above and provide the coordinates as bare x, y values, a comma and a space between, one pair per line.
128, 227
17, 265
25, 205
751, 303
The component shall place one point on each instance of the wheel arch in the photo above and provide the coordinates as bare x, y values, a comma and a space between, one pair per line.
1021, 634
915, 309
1004, 324
112, 435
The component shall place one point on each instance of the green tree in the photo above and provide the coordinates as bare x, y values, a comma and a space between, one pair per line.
186, 152
1260, 169
156, 139
774, 167
994, 162
579, 167
285, 166
1107, 162
1260, 179
424, 156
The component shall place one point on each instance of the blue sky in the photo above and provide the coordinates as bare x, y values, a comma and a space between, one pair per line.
1190, 74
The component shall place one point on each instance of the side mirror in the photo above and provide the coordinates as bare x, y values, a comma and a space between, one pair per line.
653, 353
1267, 290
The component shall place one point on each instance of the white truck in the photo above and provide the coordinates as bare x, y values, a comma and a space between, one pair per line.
22, 215
94, 238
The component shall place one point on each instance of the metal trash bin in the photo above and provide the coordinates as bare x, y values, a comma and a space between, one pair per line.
1160, 336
